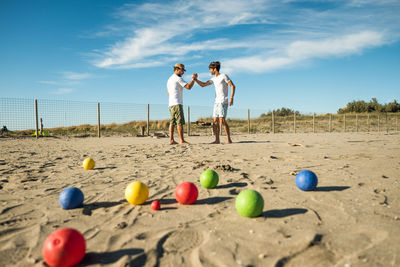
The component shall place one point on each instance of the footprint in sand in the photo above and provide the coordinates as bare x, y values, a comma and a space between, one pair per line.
141, 236
180, 241
13, 256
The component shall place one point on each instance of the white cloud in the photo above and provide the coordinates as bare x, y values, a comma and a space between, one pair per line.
348, 44
48, 82
268, 34
62, 91
67, 80
304, 50
75, 76
169, 35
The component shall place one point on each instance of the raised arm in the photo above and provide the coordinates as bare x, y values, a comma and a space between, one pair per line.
230, 83
202, 84
190, 85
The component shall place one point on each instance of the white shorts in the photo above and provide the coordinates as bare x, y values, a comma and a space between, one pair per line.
220, 110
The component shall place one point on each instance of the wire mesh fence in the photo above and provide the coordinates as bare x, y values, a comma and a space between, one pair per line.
60, 117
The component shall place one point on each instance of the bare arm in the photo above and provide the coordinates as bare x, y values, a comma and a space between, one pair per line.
232, 92
203, 84
189, 85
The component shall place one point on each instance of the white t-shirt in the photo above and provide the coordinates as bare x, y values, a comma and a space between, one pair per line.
175, 86
221, 88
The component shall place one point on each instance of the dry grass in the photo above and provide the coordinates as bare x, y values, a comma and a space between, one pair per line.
263, 124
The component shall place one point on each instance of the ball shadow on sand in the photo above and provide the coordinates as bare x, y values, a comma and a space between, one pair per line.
164, 201
283, 213
88, 208
209, 201
331, 188
231, 185
251, 142
212, 200
92, 258
105, 168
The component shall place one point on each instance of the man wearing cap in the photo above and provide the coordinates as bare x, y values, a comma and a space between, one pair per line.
221, 82
175, 87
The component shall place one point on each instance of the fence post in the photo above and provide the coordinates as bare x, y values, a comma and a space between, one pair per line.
368, 122
188, 126
379, 124
387, 123
356, 122
248, 120
330, 122
98, 120
294, 122
273, 122
313, 122
36, 119
344, 122
148, 119
41, 126
397, 129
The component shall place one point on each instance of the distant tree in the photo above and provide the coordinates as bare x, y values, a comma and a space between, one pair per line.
281, 112
372, 106
392, 107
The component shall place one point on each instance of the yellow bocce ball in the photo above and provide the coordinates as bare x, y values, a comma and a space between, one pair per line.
136, 193
88, 164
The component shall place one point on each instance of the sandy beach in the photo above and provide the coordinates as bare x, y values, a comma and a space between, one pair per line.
352, 219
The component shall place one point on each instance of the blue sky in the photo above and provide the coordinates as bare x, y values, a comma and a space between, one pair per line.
311, 56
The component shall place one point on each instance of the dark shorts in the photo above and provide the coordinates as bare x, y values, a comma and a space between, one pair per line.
177, 117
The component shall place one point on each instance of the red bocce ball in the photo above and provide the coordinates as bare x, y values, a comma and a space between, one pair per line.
155, 205
64, 247
186, 193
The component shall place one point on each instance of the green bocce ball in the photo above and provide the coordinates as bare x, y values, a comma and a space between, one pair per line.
249, 203
209, 179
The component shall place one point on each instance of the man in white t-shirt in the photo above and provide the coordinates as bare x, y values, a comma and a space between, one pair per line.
221, 82
175, 87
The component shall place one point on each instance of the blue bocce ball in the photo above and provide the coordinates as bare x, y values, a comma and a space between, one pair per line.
71, 198
306, 180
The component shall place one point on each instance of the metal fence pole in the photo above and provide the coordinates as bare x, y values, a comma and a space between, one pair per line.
98, 120
248, 120
368, 123
36, 119
188, 126
41, 126
294, 122
148, 119
379, 124
344, 122
330, 122
356, 122
273, 122
387, 123
313, 123
397, 129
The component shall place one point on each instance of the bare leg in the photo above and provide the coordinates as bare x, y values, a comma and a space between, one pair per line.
226, 128
180, 133
171, 135
216, 131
